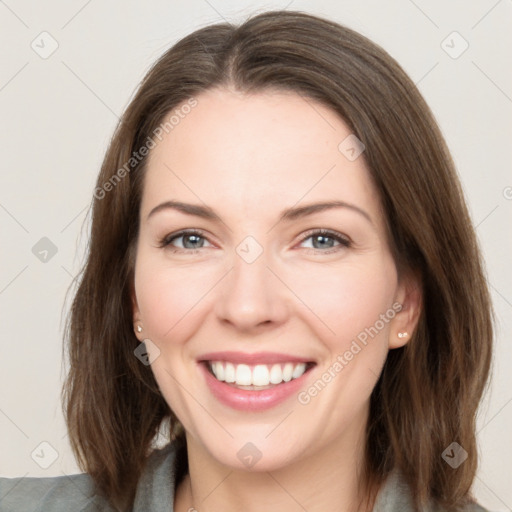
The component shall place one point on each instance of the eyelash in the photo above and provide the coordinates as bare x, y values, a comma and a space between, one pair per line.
344, 242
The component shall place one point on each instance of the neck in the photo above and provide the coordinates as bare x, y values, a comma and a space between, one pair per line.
328, 481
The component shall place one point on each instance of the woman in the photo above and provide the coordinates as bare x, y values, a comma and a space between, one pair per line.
283, 277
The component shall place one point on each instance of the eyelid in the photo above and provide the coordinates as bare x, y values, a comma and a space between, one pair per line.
167, 239
343, 240
327, 232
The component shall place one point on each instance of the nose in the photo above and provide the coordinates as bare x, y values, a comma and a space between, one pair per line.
253, 295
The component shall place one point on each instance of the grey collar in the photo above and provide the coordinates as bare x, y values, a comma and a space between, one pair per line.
156, 488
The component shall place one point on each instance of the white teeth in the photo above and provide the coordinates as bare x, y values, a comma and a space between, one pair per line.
276, 374
298, 370
219, 370
229, 372
258, 375
287, 372
243, 375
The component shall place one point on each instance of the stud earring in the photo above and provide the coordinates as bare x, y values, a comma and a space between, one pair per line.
402, 334
139, 328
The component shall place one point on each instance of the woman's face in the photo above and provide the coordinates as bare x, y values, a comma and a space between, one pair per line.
256, 294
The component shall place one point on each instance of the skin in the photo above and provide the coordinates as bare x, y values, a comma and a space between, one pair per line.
248, 157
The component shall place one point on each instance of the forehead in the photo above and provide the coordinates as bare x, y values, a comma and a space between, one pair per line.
254, 151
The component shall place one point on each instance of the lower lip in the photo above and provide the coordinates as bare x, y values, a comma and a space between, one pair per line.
250, 399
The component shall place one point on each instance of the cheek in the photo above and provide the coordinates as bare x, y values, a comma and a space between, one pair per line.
356, 304
349, 299
169, 298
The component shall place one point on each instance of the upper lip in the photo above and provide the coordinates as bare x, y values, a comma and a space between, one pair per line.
253, 358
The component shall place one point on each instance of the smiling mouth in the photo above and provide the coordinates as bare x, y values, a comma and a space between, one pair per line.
257, 377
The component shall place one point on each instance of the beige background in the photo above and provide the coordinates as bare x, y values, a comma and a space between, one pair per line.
58, 113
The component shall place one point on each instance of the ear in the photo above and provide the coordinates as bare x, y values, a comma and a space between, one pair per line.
409, 294
136, 316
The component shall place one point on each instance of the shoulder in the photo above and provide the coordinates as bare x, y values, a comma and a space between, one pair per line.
396, 495
156, 486
77, 492
50, 494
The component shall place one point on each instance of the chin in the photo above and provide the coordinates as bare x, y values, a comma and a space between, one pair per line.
254, 451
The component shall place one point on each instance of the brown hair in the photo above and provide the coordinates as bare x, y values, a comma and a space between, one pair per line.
429, 390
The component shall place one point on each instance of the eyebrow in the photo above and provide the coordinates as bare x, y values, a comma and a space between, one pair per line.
205, 212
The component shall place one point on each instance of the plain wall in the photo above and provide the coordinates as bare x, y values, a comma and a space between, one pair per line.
58, 114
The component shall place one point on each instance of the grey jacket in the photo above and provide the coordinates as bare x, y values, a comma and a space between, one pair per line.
155, 491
